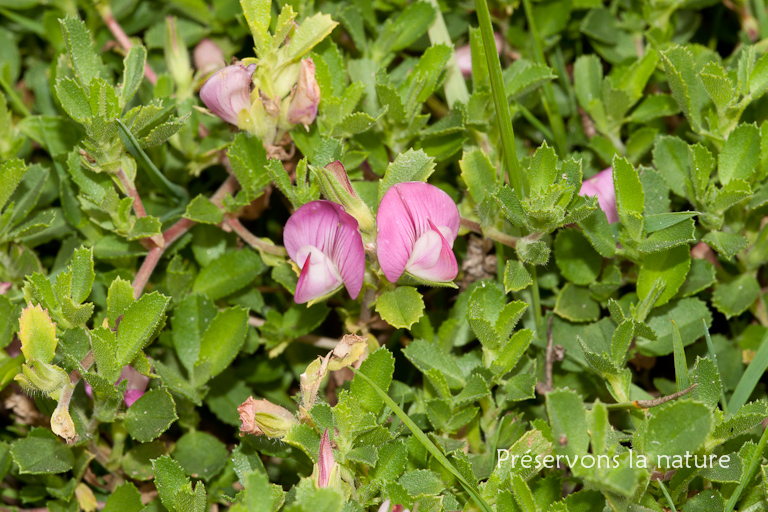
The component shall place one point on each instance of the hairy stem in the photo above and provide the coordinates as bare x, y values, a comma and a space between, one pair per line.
488, 232
252, 240
122, 38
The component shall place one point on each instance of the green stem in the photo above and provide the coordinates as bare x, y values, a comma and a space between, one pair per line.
518, 179
667, 496
536, 297
14, 99
550, 104
536, 123
756, 458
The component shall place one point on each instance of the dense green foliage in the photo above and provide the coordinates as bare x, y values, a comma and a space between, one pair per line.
141, 241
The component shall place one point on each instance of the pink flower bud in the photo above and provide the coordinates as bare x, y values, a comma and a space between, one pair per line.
464, 55
418, 224
228, 91
303, 108
324, 241
325, 461
601, 185
208, 57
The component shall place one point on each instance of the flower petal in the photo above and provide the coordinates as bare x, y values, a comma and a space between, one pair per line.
404, 216
318, 278
432, 258
228, 91
327, 227
601, 185
303, 108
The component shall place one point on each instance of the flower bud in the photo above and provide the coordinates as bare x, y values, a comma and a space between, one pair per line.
39, 376
208, 57
335, 185
326, 471
228, 92
262, 417
303, 108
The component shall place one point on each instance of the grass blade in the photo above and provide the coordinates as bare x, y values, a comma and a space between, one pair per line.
749, 380
711, 349
681, 365
428, 444
518, 181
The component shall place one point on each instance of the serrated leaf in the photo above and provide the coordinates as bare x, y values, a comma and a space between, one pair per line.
479, 174
727, 244
516, 277
202, 210
676, 427
139, 323
41, 455
86, 62
630, 199
228, 273
576, 258
37, 333
401, 307
735, 297
82, 274
740, 154
568, 418
379, 367
220, 343
576, 304
133, 72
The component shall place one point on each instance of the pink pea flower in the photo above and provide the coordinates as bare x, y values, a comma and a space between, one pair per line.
397, 508
228, 91
303, 108
601, 185
418, 224
137, 385
208, 57
324, 241
464, 55
325, 462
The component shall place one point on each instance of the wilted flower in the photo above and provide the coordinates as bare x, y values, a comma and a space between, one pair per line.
208, 57
228, 92
135, 388
601, 185
417, 225
303, 108
464, 55
323, 240
263, 417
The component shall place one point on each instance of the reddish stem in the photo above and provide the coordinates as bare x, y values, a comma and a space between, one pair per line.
124, 40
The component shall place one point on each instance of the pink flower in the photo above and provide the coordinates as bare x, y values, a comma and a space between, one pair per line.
601, 185
208, 57
323, 240
4, 287
303, 108
137, 385
418, 224
325, 462
228, 91
397, 508
464, 55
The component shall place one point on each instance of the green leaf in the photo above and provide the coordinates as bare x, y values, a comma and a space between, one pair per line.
717, 84
73, 99
516, 277
82, 274
671, 266
479, 174
569, 422
685, 83
37, 334
425, 357
133, 72
740, 154
202, 210
200, 454
248, 162
401, 307
671, 155
379, 367
534, 252
104, 346
735, 297
576, 304
137, 462
630, 199
311, 31
139, 322
402, 31
654, 106
170, 480
228, 273
599, 233
542, 170
687, 314
125, 498
11, 173
409, 166
221, 342
708, 384
150, 415
85, 60
40, 454
190, 320
676, 427
576, 258
727, 244
119, 297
